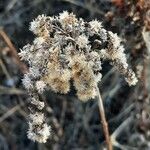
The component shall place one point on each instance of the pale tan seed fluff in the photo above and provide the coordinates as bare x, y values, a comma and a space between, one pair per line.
58, 79
83, 78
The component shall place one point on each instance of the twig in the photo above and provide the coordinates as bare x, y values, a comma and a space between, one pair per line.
110, 72
9, 113
124, 147
22, 66
86, 6
104, 122
121, 127
123, 113
6, 90
118, 131
4, 69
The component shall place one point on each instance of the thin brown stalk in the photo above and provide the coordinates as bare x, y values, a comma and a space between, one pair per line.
5, 37
103, 120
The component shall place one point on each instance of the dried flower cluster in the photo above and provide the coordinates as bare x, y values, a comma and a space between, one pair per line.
65, 49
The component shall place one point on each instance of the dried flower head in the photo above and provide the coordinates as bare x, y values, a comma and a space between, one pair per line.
40, 86
96, 26
39, 133
67, 48
83, 77
67, 19
82, 41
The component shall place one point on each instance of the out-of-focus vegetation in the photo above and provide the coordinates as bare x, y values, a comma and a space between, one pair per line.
76, 125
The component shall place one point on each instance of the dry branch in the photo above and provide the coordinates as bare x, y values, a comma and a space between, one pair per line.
13, 50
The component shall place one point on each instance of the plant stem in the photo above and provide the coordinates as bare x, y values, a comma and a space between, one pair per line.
103, 119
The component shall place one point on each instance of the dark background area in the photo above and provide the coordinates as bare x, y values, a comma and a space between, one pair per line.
76, 125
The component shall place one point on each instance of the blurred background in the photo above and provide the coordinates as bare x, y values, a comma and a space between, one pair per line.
76, 125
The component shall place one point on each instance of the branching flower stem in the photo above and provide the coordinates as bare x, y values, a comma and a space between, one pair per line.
103, 119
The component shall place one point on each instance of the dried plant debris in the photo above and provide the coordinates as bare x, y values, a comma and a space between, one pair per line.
67, 48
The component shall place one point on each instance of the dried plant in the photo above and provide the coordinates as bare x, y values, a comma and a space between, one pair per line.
67, 48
